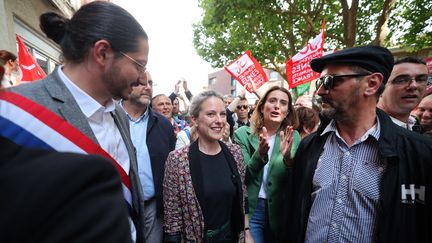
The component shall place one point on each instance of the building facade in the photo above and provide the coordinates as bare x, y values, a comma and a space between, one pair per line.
21, 17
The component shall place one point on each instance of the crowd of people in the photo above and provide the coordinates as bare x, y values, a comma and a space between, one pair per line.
354, 167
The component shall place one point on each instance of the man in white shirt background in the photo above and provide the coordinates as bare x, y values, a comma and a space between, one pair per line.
404, 90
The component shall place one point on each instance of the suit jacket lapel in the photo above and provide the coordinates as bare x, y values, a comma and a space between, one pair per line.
133, 171
151, 120
68, 108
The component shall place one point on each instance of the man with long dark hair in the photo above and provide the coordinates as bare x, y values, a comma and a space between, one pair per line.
105, 51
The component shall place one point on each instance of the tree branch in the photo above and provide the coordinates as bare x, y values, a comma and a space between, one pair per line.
382, 22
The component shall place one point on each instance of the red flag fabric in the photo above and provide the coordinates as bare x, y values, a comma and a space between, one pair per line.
298, 69
30, 69
428, 61
246, 69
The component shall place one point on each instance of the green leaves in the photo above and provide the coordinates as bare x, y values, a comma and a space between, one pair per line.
274, 30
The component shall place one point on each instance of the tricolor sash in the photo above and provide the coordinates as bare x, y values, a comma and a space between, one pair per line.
31, 125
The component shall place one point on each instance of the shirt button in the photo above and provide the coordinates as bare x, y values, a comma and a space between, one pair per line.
344, 177
339, 200
380, 169
334, 225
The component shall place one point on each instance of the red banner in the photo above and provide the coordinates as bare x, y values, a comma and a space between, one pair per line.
31, 70
428, 61
298, 69
246, 69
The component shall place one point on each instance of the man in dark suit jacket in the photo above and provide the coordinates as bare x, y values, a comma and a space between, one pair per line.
49, 196
98, 67
153, 137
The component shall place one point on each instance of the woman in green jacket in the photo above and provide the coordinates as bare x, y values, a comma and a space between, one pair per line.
265, 145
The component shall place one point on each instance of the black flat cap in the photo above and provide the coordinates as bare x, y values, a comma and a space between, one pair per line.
372, 58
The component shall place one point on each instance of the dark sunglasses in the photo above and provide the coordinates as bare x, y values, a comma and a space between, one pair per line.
329, 80
406, 79
239, 107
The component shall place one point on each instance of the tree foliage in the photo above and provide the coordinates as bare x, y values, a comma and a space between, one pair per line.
274, 30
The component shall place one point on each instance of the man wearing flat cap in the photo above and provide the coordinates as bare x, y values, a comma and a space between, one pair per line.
360, 177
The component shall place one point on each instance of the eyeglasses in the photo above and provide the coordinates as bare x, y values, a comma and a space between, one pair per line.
329, 80
239, 107
406, 79
140, 67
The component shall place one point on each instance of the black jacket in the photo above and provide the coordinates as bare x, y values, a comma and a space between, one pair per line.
160, 142
48, 196
409, 162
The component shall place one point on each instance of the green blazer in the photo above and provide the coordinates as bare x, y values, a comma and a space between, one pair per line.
277, 173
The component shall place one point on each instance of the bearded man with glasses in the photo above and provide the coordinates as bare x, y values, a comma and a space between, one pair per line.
404, 91
360, 177
105, 52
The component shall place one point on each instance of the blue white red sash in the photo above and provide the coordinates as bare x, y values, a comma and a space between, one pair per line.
31, 125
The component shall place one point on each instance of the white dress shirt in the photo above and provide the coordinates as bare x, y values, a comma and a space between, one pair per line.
101, 122
103, 126
409, 126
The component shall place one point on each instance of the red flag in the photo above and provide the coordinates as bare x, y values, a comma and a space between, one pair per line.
298, 69
429, 65
246, 69
31, 70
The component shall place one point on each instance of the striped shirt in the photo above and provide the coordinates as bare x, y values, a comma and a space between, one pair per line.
346, 189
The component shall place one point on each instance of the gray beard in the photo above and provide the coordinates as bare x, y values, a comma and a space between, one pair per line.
334, 114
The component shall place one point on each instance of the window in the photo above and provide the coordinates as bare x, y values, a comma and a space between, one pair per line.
43, 50
233, 82
274, 76
212, 81
42, 60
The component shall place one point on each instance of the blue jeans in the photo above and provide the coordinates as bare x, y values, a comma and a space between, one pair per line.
259, 223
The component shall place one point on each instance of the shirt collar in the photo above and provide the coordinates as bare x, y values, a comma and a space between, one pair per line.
88, 105
143, 116
411, 122
374, 131
243, 123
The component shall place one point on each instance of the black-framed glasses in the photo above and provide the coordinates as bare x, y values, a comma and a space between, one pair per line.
140, 67
406, 79
239, 107
328, 81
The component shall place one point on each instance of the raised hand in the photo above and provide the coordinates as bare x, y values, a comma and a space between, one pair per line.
286, 141
185, 86
243, 92
226, 132
263, 144
253, 86
177, 87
